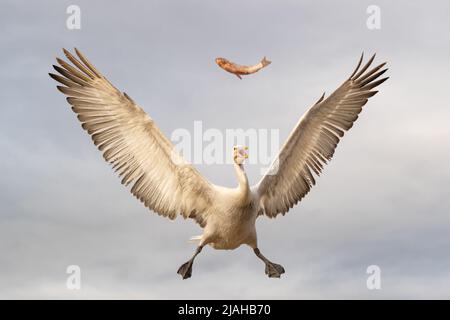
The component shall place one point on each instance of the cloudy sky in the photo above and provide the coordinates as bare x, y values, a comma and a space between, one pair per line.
383, 200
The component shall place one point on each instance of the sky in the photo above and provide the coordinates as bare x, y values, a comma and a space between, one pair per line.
383, 199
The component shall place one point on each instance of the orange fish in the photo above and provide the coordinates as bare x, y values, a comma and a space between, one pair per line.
241, 70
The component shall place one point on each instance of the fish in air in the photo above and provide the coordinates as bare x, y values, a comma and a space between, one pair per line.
239, 70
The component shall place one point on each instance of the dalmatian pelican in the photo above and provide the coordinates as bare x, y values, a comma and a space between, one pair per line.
146, 160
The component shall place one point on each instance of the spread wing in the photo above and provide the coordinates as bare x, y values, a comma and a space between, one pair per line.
130, 140
314, 139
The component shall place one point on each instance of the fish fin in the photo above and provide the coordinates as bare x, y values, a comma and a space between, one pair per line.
265, 62
239, 76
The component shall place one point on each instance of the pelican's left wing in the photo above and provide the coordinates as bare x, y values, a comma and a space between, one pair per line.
130, 140
313, 141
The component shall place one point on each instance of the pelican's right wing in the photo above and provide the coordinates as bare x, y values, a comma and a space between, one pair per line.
133, 144
313, 141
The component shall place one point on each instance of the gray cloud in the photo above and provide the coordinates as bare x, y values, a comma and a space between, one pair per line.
382, 200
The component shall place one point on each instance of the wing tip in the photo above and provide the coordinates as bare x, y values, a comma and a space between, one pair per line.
358, 65
358, 72
61, 88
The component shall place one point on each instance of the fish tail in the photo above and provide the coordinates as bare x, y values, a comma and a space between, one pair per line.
265, 62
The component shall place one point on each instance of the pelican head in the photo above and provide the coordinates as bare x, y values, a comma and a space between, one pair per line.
240, 153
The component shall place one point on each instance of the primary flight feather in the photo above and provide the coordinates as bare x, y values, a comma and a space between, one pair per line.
160, 178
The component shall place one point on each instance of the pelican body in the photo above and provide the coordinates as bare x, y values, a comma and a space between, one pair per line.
233, 224
166, 184
239, 70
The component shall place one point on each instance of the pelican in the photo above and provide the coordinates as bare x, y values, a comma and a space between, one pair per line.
146, 160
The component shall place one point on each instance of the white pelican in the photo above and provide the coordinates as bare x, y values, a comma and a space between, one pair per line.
143, 157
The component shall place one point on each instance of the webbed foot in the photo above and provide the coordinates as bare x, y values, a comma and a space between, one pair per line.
274, 270
185, 270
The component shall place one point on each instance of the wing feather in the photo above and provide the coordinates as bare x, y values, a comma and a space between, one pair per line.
131, 142
313, 141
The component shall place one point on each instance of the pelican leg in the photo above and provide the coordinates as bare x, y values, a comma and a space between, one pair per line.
273, 270
186, 268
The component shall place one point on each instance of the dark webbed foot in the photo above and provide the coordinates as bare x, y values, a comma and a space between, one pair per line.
273, 270
185, 270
